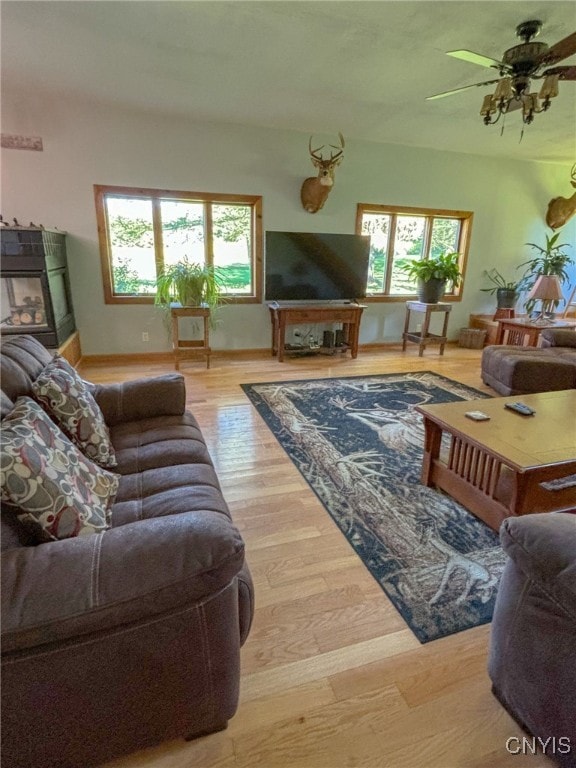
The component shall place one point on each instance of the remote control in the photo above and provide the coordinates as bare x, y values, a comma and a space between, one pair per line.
477, 416
521, 408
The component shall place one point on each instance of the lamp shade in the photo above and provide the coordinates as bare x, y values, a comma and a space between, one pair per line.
546, 288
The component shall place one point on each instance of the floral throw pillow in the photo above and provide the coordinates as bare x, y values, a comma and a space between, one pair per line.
54, 489
66, 398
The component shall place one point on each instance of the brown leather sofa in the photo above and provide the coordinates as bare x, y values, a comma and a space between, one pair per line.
532, 662
512, 370
117, 641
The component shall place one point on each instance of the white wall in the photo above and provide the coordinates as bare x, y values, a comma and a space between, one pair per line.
88, 144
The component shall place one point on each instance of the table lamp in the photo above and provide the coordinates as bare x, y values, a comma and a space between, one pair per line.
547, 289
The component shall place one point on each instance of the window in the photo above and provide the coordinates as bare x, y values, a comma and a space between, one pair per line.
398, 235
141, 230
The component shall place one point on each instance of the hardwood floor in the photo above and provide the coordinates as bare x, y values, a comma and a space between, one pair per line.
331, 675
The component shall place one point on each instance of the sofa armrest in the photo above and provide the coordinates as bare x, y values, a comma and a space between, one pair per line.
141, 398
63, 589
558, 337
543, 547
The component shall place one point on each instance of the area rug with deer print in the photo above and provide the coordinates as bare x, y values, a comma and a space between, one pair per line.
358, 442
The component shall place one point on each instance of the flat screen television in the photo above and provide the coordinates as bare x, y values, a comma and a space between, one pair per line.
302, 266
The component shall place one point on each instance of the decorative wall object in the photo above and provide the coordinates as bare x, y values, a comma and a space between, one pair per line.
560, 209
16, 141
316, 189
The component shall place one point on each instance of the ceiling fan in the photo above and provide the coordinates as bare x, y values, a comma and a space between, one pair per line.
519, 66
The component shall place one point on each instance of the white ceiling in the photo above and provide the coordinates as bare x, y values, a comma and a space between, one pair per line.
360, 67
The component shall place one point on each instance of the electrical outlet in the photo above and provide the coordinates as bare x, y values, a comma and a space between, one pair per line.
145, 336
297, 333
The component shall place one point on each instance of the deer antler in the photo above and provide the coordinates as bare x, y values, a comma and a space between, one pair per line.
314, 152
341, 147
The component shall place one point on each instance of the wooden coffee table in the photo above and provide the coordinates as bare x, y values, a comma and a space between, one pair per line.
495, 468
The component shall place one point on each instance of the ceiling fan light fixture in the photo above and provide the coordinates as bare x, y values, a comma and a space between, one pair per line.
518, 66
488, 106
549, 88
520, 86
530, 107
504, 90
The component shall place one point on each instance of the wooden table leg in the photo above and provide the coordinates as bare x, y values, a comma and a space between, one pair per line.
444, 331
351, 334
281, 339
175, 341
424, 332
274, 321
406, 326
432, 441
207, 340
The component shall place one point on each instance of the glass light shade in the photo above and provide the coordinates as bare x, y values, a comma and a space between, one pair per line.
504, 90
530, 104
549, 87
488, 106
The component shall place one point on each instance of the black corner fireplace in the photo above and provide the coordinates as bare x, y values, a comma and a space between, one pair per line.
35, 288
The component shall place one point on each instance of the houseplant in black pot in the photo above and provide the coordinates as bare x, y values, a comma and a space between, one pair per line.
506, 291
432, 275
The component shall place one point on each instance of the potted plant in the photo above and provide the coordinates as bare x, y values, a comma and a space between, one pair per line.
190, 284
506, 290
551, 259
433, 274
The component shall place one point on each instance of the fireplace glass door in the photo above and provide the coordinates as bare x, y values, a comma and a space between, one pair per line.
22, 304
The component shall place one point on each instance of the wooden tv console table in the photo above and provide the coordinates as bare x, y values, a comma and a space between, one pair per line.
296, 314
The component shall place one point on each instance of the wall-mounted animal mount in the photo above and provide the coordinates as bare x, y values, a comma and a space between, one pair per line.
560, 209
316, 189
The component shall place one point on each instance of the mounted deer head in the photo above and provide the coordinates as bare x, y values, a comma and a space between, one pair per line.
316, 189
560, 209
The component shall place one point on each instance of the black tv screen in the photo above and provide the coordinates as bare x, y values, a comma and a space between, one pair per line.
312, 266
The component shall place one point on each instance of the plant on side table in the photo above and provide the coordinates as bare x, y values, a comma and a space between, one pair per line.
507, 291
190, 284
433, 274
552, 259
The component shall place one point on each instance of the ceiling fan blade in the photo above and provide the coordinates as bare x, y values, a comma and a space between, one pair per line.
477, 58
564, 73
561, 50
457, 90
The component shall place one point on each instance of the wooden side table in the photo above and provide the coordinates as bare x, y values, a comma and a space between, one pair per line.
424, 337
182, 347
523, 333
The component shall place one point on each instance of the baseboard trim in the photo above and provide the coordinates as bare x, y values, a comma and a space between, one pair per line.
223, 354
168, 357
